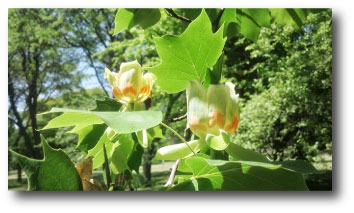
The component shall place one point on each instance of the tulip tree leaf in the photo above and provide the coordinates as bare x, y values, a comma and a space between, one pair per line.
241, 154
89, 136
107, 104
127, 18
121, 122
229, 175
55, 172
135, 157
97, 151
121, 151
187, 57
295, 17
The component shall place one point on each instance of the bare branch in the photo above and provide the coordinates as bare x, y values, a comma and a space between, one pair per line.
173, 14
182, 117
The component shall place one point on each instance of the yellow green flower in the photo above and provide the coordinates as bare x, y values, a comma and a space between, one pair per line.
129, 85
210, 111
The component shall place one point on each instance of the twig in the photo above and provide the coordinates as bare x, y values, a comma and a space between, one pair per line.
182, 117
179, 136
108, 175
173, 14
170, 180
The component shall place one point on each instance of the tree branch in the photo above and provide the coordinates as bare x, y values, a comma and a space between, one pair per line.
171, 179
173, 14
179, 118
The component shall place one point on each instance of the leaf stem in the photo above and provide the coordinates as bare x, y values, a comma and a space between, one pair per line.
179, 136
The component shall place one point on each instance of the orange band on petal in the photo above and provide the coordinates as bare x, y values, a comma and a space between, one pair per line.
145, 90
217, 118
233, 125
117, 93
129, 89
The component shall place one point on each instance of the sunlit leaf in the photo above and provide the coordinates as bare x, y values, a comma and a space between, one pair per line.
187, 57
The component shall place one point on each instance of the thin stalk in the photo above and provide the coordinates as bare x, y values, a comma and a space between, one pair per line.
179, 136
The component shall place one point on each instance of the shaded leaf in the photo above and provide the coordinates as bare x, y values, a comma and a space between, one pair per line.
97, 151
121, 151
135, 157
89, 136
55, 172
229, 175
107, 104
127, 18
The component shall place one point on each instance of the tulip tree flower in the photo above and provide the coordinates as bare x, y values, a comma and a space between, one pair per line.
212, 111
129, 85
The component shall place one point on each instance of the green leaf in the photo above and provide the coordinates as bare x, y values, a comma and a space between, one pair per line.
177, 151
218, 142
155, 132
121, 151
55, 172
239, 153
79, 119
228, 175
143, 138
187, 57
127, 122
121, 122
89, 136
300, 166
250, 22
293, 17
135, 157
97, 151
128, 18
107, 104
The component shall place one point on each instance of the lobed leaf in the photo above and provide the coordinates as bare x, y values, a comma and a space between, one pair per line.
187, 57
55, 172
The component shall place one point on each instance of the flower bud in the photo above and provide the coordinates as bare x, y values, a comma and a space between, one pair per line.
129, 85
212, 110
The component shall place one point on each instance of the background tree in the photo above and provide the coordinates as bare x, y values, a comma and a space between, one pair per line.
40, 65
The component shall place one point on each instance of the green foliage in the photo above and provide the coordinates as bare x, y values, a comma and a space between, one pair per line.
121, 151
128, 18
121, 122
229, 175
55, 172
187, 57
294, 91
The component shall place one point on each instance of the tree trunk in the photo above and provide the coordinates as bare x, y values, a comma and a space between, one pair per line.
148, 156
19, 121
19, 173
